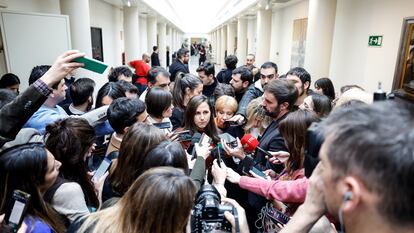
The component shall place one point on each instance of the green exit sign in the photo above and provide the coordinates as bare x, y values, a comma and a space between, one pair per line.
375, 41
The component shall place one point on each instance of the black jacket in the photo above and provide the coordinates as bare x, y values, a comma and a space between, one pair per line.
155, 61
176, 67
254, 91
209, 90
224, 76
271, 140
177, 118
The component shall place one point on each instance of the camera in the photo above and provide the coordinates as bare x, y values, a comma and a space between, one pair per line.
208, 214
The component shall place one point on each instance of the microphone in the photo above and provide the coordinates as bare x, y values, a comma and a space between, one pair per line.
250, 144
195, 139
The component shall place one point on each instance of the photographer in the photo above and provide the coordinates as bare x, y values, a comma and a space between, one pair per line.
225, 211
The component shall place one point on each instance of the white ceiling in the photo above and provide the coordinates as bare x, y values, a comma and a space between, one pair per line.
197, 16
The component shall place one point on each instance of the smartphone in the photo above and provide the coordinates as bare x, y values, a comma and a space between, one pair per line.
219, 147
258, 172
92, 64
184, 135
205, 139
101, 169
162, 125
15, 216
227, 124
230, 140
278, 216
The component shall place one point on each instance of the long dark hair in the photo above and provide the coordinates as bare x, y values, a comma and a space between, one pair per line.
157, 100
293, 129
190, 112
327, 87
70, 140
167, 153
182, 82
159, 201
112, 89
24, 167
322, 104
135, 145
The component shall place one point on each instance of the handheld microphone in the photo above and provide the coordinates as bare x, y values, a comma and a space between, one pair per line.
250, 144
195, 139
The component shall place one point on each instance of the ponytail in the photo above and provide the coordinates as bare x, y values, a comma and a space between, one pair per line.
182, 81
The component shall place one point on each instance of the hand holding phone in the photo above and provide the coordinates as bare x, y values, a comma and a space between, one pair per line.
14, 216
184, 135
257, 173
278, 157
162, 125
101, 169
205, 139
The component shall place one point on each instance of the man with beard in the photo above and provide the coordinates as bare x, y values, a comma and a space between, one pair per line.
366, 175
181, 63
278, 99
81, 93
268, 72
241, 79
302, 80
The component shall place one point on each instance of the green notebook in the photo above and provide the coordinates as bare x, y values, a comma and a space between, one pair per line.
92, 64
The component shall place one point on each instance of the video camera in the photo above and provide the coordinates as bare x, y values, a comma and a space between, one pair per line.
208, 214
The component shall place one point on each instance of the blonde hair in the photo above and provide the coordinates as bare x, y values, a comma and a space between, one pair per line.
159, 201
254, 109
226, 101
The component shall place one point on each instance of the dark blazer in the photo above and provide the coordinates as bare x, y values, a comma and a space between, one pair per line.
271, 140
177, 118
176, 67
15, 114
155, 60
224, 76
252, 93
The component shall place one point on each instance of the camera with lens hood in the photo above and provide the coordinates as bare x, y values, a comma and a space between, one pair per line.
208, 214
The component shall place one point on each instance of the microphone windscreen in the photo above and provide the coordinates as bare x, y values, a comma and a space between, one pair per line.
249, 143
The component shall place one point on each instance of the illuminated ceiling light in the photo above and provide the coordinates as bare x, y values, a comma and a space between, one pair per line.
129, 3
267, 5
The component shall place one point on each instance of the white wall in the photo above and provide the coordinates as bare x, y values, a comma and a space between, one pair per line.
352, 61
287, 16
143, 36
275, 37
251, 36
38, 6
109, 18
